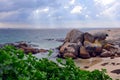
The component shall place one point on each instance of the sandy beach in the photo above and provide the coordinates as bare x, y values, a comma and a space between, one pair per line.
103, 63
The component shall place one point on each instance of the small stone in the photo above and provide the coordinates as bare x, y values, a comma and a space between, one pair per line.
116, 71
113, 63
118, 64
112, 57
86, 66
104, 64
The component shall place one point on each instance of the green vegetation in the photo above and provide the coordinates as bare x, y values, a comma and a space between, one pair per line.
15, 65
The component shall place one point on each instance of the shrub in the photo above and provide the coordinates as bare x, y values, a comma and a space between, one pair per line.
15, 65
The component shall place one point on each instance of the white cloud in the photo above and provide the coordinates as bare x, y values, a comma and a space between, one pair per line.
44, 10
72, 2
97, 15
86, 16
112, 11
66, 7
104, 2
107, 8
76, 10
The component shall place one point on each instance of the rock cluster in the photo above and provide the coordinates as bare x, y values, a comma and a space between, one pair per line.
86, 45
25, 47
28, 49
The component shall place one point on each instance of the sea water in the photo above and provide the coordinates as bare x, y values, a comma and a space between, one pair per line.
42, 38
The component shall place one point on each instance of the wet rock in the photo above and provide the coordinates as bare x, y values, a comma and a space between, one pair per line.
43, 50
22, 44
88, 37
30, 50
83, 53
71, 48
74, 36
27, 48
60, 40
49, 39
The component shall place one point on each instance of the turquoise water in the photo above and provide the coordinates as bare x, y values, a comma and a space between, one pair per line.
35, 36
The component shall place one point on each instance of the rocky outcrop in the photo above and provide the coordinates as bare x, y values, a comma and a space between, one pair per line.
86, 45
69, 49
26, 47
88, 37
100, 35
84, 53
74, 36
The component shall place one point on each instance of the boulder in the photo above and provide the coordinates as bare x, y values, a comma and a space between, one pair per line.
74, 36
118, 52
30, 50
108, 46
100, 35
21, 44
88, 37
71, 48
69, 55
42, 50
106, 53
94, 49
98, 46
84, 53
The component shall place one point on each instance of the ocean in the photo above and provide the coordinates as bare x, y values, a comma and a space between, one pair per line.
39, 38
42, 38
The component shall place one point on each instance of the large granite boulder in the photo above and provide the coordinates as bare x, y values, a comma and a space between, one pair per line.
94, 49
88, 37
84, 53
100, 35
69, 50
74, 36
106, 53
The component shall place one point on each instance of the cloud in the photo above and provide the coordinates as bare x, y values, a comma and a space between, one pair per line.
44, 10
56, 13
76, 10
72, 2
104, 2
108, 9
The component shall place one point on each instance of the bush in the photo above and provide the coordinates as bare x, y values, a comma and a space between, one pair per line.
15, 65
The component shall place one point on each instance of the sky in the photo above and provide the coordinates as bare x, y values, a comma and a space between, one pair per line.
59, 14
